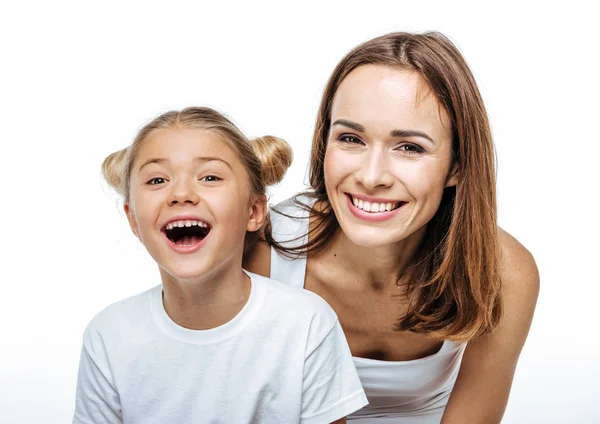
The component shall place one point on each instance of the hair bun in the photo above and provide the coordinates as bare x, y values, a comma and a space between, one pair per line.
275, 156
113, 169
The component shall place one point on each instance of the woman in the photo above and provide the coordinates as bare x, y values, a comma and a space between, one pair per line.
399, 235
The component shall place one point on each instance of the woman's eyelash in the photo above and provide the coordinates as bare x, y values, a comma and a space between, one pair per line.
344, 138
411, 148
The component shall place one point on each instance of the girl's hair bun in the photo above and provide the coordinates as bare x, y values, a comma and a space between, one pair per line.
275, 156
113, 169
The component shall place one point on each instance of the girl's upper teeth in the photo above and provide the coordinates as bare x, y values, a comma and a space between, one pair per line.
184, 223
374, 206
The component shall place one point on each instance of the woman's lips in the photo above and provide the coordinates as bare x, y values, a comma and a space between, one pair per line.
373, 211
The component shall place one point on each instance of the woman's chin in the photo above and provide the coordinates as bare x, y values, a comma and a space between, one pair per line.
372, 238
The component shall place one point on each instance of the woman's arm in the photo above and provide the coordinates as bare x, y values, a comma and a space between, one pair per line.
488, 366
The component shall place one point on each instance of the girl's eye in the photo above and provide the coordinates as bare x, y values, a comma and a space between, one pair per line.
410, 148
156, 181
210, 178
344, 138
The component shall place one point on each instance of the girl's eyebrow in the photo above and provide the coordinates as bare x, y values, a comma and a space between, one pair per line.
196, 159
394, 133
210, 159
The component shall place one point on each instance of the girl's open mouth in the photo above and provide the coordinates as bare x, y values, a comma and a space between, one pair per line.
186, 235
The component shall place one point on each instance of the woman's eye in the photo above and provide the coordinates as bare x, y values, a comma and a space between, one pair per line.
210, 178
156, 181
410, 148
349, 139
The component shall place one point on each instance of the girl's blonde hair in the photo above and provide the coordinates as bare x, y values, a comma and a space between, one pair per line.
266, 159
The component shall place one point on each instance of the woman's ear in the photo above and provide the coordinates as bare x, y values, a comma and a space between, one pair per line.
452, 178
131, 218
257, 213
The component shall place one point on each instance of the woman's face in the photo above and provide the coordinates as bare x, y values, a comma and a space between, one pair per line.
388, 156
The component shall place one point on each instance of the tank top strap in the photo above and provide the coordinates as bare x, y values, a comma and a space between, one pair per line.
289, 226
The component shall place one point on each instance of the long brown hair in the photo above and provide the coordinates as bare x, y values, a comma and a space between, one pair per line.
455, 287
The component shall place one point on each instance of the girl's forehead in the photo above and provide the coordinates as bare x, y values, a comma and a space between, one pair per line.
184, 144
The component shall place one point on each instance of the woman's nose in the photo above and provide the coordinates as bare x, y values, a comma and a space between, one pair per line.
375, 172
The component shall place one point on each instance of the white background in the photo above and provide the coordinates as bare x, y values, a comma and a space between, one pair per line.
78, 79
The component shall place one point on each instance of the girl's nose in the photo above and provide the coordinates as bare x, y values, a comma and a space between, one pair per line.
183, 192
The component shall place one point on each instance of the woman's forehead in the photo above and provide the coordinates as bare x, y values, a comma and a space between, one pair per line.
387, 96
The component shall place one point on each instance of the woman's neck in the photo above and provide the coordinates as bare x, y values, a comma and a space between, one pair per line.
377, 268
208, 301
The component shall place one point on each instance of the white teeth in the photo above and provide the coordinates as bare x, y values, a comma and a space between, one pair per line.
186, 223
374, 207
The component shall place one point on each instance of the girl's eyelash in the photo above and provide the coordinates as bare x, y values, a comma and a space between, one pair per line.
210, 178
156, 181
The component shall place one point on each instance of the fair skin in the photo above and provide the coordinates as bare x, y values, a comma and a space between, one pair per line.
191, 175
187, 174
390, 144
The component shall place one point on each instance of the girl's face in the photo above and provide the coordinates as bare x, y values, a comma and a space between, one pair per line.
190, 202
388, 156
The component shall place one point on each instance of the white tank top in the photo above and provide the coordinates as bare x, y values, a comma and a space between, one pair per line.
403, 392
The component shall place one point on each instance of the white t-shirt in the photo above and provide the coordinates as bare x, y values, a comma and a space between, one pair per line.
282, 359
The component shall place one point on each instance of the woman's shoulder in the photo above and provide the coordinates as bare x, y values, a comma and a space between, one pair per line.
295, 207
518, 269
289, 222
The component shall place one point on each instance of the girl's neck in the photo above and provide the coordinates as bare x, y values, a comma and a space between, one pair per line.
206, 302
379, 268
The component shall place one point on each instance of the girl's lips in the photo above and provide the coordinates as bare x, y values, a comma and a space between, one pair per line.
185, 248
372, 216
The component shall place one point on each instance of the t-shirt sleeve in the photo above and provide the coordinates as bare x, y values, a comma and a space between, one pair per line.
331, 387
97, 400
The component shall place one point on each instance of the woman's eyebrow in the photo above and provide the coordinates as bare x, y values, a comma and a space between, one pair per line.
410, 133
349, 124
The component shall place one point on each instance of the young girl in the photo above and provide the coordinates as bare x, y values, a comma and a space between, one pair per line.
212, 343
399, 235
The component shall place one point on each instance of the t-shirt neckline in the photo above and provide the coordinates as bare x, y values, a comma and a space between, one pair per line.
213, 335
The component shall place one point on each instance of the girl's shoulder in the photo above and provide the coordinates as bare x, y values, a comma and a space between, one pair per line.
294, 310
287, 297
123, 316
